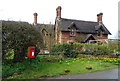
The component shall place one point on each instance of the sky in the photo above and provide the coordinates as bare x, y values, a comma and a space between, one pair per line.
22, 10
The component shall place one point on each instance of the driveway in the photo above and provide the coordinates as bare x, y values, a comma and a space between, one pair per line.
107, 74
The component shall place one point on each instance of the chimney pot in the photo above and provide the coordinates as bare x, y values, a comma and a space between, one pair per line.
58, 12
98, 14
101, 13
35, 18
59, 7
99, 18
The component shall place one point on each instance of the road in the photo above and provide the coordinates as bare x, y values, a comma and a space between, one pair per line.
107, 74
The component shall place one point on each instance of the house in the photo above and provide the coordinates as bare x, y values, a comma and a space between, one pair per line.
47, 32
70, 30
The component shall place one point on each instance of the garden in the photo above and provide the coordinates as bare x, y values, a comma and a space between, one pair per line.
48, 66
65, 58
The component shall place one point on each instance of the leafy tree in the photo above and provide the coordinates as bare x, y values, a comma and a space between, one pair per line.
19, 36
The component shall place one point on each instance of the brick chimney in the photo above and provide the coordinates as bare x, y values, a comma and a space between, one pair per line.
58, 12
99, 18
35, 18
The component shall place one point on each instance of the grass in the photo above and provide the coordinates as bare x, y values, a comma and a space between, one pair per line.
39, 68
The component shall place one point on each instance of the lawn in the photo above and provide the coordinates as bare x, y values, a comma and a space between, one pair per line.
41, 67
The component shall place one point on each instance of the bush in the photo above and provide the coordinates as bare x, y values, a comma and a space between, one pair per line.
94, 49
49, 58
10, 69
72, 50
18, 36
66, 48
101, 50
10, 54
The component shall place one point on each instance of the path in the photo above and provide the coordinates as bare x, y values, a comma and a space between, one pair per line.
107, 74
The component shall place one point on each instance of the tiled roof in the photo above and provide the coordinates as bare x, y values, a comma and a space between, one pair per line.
82, 26
48, 27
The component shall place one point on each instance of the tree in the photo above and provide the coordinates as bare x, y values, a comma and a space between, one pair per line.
19, 36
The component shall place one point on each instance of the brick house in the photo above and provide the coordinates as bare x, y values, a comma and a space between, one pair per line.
70, 30
47, 32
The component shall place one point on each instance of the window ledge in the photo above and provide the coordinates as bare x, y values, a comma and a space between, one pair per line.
72, 35
99, 36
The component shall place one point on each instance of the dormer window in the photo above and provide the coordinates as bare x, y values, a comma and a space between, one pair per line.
72, 33
99, 34
44, 32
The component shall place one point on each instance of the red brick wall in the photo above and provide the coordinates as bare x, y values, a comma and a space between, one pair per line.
66, 36
102, 37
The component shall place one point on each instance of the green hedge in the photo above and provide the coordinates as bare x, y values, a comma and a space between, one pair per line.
70, 50
66, 48
96, 49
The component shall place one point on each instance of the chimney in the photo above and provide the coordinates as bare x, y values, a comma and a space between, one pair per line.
99, 18
58, 12
35, 18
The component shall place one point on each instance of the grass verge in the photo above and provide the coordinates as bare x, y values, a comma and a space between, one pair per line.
39, 68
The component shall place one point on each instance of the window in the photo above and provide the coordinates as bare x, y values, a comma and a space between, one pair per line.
99, 34
72, 33
44, 32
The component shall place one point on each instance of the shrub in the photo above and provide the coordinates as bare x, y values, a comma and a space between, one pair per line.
71, 50
49, 58
10, 54
94, 49
10, 69
19, 36
66, 48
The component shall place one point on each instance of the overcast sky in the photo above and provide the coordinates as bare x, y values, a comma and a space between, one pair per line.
22, 10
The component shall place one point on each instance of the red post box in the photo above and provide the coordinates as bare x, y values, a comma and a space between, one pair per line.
31, 52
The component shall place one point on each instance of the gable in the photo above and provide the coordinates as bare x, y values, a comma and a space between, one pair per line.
48, 28
102, 28
89, 37
72, 26
44, 32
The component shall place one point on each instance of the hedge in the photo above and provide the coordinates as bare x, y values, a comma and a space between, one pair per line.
71, 50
